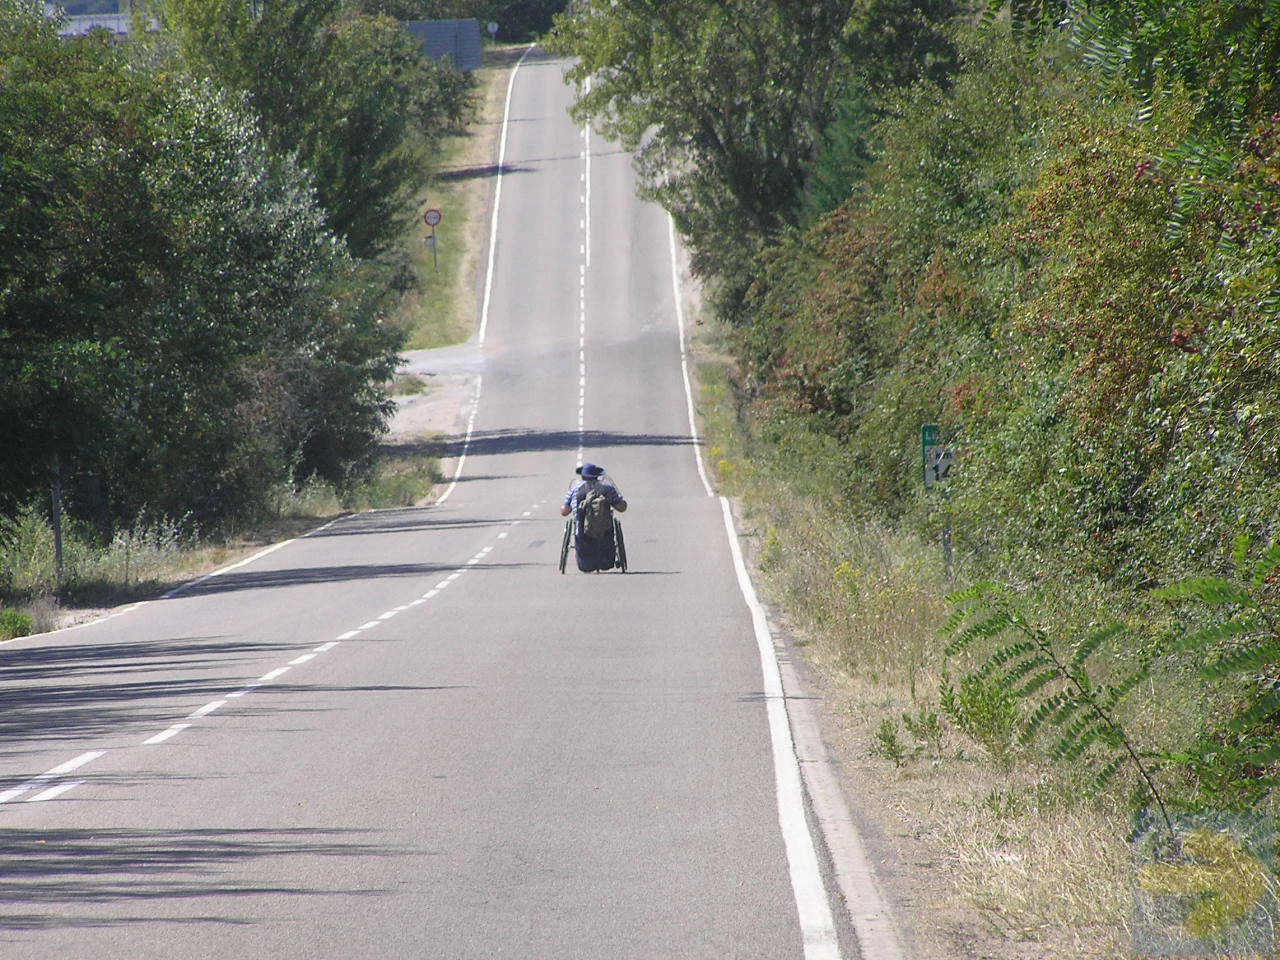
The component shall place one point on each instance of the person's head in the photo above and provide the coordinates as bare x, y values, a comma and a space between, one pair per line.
589, 471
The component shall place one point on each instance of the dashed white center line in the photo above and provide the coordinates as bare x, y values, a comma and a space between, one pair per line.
58, 771
54, 791
164, 735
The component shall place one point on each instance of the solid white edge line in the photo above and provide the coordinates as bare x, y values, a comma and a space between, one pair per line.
497, 198
227, 569
466, 442
684, 355
488, 274
817, 925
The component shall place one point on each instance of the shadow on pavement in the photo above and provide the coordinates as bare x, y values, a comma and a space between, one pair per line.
79, 878
526, 441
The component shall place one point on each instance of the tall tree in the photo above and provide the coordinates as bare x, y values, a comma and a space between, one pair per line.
351, 94
721, 100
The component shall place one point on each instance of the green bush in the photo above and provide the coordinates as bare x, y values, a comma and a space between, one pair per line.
28, 565
14, 623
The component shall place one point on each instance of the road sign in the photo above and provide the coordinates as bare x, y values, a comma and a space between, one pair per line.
936, 458
432, 217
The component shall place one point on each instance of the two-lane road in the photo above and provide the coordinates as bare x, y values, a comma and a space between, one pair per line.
406, 734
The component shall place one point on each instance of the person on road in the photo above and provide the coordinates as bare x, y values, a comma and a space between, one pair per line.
592, 501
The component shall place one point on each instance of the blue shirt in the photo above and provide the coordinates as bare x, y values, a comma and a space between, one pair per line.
573, 499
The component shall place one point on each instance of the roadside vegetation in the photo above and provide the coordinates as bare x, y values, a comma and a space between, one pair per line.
1052, 233
211, 254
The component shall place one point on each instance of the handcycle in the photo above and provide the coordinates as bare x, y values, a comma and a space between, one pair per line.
619, 545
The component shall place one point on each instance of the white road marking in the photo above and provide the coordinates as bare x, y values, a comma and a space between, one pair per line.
161, 737
207, 709
54, 791
388, 615
299, 661
817, 925
684, 355
349, 634
272, 675
58, 771
326, 646
466, 441
497, 199
227, 569
370, 625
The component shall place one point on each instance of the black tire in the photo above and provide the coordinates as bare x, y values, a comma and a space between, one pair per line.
619, 545
564, 545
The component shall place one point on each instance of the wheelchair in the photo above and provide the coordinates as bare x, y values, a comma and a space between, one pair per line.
619, 545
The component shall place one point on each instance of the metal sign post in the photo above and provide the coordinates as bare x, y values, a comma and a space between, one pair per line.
937, 460
433, 217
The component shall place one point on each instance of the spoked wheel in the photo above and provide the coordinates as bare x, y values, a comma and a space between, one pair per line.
620, 545
564, 545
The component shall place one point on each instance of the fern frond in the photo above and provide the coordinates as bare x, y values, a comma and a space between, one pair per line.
1102, 779
1261, 710
1086, 647
984, 629
1037, 683
1243, 659
1041, 715
1212, 591
1215, 633
1268, 562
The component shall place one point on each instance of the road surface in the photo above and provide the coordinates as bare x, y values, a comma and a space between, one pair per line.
407, 734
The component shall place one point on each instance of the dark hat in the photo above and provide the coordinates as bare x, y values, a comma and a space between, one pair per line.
591, 470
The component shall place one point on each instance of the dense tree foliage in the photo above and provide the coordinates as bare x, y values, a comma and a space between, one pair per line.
178, 328
350, 94
724, 103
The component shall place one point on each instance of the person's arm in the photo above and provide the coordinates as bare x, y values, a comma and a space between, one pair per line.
566, 508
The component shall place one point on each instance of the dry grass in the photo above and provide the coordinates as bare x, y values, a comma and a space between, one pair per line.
983, 859
443, 310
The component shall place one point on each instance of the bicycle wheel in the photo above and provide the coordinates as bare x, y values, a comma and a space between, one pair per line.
564, 545
620, 547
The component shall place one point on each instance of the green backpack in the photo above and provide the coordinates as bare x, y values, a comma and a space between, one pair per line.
597, 515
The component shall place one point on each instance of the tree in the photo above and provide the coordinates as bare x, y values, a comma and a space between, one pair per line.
178, 329
721, 100
352, 95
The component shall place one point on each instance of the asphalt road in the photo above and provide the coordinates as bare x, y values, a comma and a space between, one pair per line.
407, 734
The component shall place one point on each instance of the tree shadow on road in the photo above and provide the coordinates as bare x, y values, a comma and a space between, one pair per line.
58, 878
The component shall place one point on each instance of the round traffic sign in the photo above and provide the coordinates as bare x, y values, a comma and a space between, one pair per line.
432, 217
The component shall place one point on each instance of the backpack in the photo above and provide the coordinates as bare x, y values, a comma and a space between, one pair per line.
597, 515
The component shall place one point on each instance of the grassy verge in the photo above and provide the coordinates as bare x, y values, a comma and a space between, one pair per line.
992, 853
442, 311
